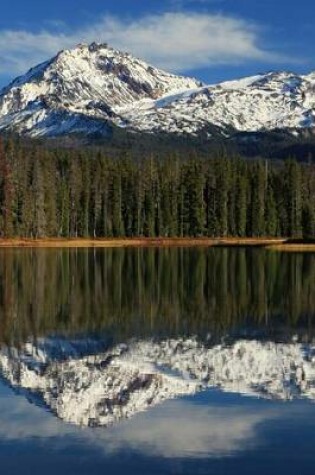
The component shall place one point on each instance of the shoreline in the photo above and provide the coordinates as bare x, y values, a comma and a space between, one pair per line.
272, 244
142, 242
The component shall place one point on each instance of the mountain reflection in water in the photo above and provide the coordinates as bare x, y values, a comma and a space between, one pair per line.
107, 387
98, 336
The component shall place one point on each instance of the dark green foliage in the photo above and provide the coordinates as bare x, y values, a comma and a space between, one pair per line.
66, 193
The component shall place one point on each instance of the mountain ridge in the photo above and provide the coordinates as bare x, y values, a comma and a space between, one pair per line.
91, 88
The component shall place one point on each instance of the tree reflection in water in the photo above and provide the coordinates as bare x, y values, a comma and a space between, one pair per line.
139, 293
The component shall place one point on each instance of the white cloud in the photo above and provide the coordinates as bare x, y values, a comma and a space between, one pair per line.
177, 41
20, 50
180, 429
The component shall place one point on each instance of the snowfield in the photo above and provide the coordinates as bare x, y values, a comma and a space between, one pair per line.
114, 384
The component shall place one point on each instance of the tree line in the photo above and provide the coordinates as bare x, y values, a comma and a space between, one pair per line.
46, 192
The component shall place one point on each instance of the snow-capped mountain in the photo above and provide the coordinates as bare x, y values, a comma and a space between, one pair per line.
259, 103
91, 87
80, 89
106, 386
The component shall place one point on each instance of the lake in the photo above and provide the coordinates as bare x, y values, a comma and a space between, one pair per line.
157, 361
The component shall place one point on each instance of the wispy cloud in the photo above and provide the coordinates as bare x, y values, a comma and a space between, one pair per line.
177, 41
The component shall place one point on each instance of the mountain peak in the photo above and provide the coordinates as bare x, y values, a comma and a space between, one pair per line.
87, 82
87, 48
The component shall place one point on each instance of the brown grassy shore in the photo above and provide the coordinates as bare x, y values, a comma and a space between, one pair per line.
140, 242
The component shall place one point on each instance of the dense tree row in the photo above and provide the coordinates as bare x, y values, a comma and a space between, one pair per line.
71, 193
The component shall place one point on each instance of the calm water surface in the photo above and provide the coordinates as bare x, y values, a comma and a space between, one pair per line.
157, 361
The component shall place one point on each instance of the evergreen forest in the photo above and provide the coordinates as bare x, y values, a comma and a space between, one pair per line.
86, 192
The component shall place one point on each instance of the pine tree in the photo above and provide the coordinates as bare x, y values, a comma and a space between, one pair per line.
257, 200
271, 215
222, 190
294, 199
6, 190
40, 217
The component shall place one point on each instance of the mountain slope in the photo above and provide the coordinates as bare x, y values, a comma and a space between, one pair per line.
91, 88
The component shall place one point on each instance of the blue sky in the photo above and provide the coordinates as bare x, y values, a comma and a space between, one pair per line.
211, 39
